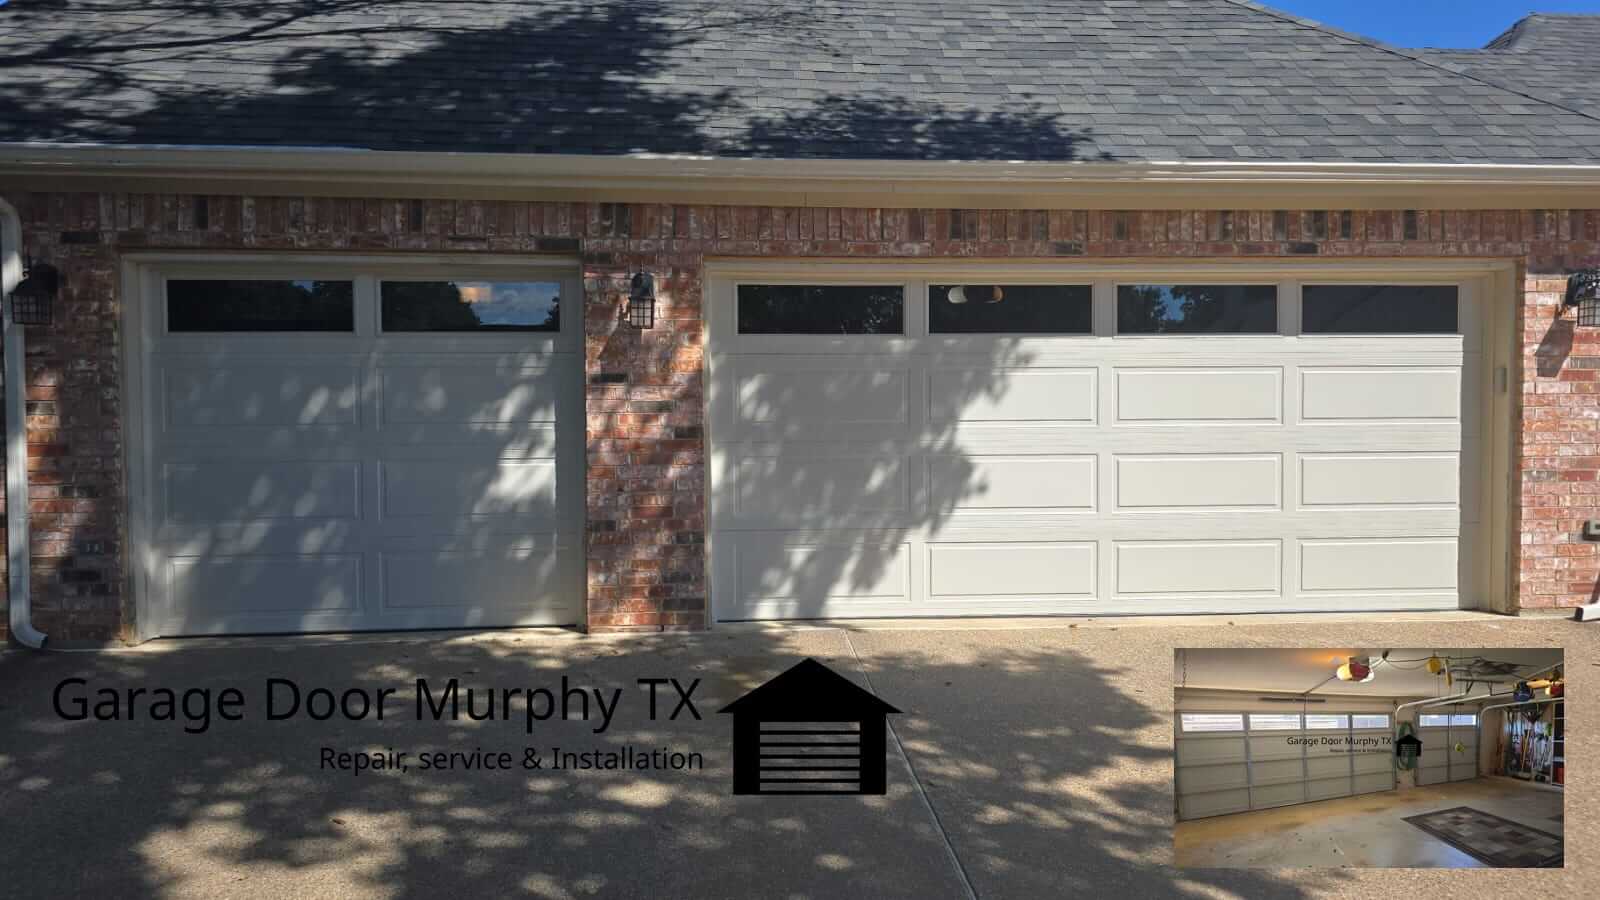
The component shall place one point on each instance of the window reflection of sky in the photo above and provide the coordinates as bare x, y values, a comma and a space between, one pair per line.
510, 302
1170, 307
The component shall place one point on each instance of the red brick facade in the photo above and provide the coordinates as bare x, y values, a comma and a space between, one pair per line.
646, 483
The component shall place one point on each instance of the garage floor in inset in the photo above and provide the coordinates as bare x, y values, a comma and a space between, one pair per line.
1366, 831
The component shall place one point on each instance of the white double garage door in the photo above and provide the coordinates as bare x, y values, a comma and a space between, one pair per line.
327, 446
1185, 441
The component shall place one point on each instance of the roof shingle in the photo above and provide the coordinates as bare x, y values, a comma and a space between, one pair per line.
1132, 80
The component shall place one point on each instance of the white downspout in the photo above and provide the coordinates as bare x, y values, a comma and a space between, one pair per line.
18, 557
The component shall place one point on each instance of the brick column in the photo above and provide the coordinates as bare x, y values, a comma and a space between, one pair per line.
1559, 444
645, 484
74, 425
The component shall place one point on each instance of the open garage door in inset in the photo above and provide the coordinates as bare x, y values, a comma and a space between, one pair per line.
331, 447
1155, 442
1276, 755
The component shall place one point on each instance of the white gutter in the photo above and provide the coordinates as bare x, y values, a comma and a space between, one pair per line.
1039, 184
18, 557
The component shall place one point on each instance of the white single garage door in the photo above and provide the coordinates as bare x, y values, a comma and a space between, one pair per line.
1154, 442
1449, 747
328, 447
1258, 758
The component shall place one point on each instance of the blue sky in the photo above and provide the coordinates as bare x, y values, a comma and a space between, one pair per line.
1428, 23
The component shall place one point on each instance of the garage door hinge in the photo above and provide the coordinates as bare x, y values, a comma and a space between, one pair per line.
1501, 379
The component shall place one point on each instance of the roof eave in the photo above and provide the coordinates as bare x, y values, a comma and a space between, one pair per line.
797, 182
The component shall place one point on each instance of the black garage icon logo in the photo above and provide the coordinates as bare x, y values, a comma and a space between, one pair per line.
810, 730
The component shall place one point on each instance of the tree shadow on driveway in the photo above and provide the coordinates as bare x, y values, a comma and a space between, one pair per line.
1045, 776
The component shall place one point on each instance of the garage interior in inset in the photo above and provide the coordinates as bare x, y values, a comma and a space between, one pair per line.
1389, 757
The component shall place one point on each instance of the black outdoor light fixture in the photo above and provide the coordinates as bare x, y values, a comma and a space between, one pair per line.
32, 300
642, 301
1583, 291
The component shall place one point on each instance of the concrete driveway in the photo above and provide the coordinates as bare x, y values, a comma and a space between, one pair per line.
1031, 760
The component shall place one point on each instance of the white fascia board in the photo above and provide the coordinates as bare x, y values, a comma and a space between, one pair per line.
800, 182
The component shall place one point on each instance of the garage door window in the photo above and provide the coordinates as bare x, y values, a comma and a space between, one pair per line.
821, 309
1378, 309
1274, 722
1467, 719
471, 306
1327, 722
1433, 721
215, 305
1197, 309
1212, 721
1369, 721
1010, 309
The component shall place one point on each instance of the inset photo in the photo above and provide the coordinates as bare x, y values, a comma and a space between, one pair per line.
1369, 758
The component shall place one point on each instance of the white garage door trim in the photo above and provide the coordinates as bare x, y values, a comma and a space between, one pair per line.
511, 533
1487, 306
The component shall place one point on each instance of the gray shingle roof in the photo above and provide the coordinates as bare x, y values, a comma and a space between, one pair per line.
876, 79
1552, 57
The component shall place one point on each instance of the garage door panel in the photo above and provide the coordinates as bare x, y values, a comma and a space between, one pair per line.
1364, 394
793, 397
471, 489
225, 491
1199, 481
1154, 396
1432, 775
819, 492
1208, 751
1379, 479
1064, 396
1327, 788
1213, 803
513, 577
1371, 783
212, 589
1279, 746
444, 393
1065, 483
204, 394
1321, 763
1191, 567
1209, 778
1265, 772
817, 577
1059, 569
1277, 795
1379, 762
1393, 564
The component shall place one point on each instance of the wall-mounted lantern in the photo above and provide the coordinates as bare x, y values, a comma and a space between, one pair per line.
642, 301
1583, 291
33, 298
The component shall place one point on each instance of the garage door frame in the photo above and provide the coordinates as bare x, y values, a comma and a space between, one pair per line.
140, 280
1490, 282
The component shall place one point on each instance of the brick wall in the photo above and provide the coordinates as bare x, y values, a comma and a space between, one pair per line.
646, 489
1560, 446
